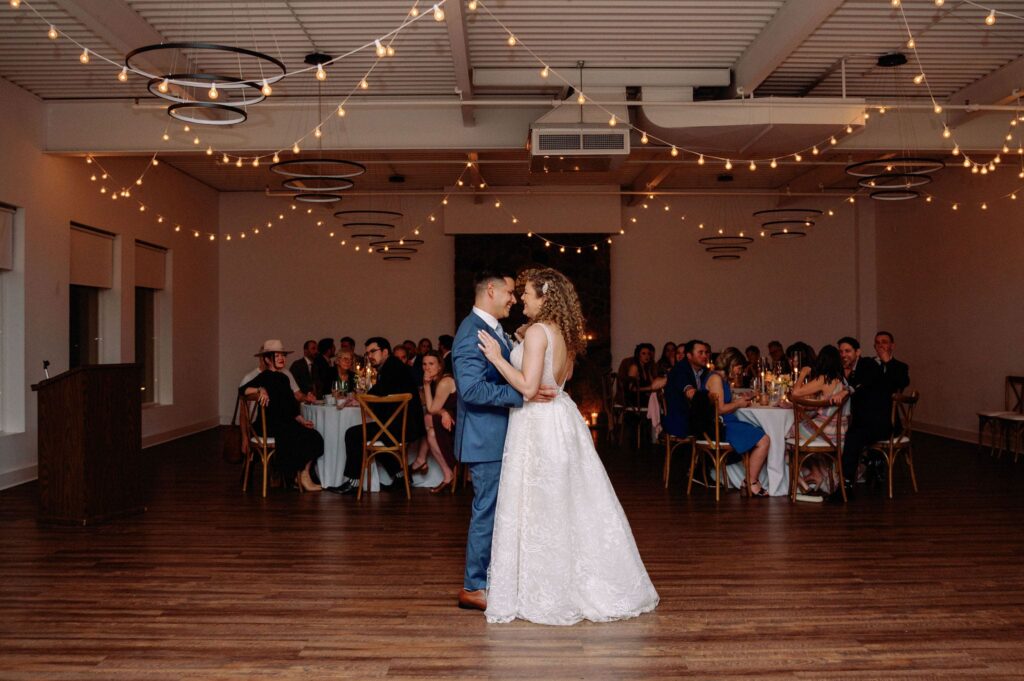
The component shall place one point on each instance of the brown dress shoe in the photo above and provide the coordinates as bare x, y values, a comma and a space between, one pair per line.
473, 600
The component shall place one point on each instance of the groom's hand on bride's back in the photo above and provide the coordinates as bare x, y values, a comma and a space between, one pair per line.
545, 393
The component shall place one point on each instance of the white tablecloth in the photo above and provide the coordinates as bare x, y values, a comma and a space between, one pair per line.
332, 423
776, 422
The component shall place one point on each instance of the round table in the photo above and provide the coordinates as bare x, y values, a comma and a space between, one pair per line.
332, 423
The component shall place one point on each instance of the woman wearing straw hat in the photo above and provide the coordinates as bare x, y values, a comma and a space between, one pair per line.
298, 445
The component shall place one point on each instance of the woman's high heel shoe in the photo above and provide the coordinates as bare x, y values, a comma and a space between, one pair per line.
440, 488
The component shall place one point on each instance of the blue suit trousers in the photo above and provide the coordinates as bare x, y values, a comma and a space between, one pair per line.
486, 476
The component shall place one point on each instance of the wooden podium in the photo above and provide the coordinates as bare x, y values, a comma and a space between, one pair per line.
90, 442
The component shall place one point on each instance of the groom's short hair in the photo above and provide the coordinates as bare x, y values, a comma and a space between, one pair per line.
484, 277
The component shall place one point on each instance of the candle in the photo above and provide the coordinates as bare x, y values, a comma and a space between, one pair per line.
593, 418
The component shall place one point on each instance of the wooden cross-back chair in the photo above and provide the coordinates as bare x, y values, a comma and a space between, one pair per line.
379, 436
1001, 423
672, 442
1012, 424
255, 440
818, 442
716, 450
899, 441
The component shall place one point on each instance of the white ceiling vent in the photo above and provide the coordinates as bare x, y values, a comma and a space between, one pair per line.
579, 142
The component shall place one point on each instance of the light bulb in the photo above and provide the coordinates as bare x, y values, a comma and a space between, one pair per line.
391, 51
774, 164
579, 250
967, 162
911, 44
186, 128
341, 111
797, 157
317, 133
990, 20
612, 121
511, 40
831, 212
415, 11
674, 151
142, 208
195, 140
209, 151
295, 148
956, 150
165, 137
155, 162
266, 89
700, 159
956, 206
940, 3
320, 73
896, 3
364, 84
256, 162
984, 206
529, 234
84, 57
212, 237
853, 199
138, 182
438, 13
753, 166
643, 138
918, 79
276, 158
849, 129
928, 199
238, 163
937, 109
728, 164
497, 204
832, 140
561, 249
15, 4
213, 94
545, 72
225, 159
581, 98
946, 133
881, 110
472, 5
164, 86
123, 75
814, 150
379, 48
52, 33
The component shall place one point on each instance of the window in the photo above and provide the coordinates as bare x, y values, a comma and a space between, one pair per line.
83, 344
12, 320
145, 341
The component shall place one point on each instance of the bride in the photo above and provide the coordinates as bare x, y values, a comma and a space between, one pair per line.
563, 550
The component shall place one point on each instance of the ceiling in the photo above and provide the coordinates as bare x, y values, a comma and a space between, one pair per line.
436, 59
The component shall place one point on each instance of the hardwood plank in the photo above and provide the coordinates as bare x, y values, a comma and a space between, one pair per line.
214, 584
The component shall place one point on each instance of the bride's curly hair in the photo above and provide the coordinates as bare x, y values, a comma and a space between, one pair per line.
561, 305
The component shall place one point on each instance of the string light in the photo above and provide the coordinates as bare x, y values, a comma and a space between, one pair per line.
511, 40
643, 138
123, 74
341, 111
225, 159
295, 148
612, 121
545, 72
581, 98
938, 108
990, 20
674, 152
472, 5
164, 86
52, 33
266, 89
438, 13
317, 132
320, 73
753, 166
380, 48
918, 79
213, 94
276, 158
364, 84
774, 164
84, 57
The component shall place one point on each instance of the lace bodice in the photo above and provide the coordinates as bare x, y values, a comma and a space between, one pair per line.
547, 377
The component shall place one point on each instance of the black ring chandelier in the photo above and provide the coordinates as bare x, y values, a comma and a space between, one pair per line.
370, 225
325, 183
725, 257
318, 167
398, 242
726, 249
725, 240
317, 197
229, 115
782, 213
160, 84
366, 235
398, 258
399, 250
904, 165
388, 214
777, 224
788, 234
894, 181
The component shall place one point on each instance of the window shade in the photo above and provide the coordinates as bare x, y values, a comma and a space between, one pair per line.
92, 258
150, 266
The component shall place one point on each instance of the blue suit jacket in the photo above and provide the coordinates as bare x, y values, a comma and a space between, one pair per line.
484, 396
677, 407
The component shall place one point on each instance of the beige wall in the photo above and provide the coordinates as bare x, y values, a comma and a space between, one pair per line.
293, 282
53, 191
665, 287
948, 286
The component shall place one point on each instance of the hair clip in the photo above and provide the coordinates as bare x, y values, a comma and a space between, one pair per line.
544, 289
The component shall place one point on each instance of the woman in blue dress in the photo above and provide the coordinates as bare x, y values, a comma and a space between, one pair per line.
743, 436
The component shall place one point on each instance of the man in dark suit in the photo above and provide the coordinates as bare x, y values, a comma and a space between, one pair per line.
302, 368
393, 377
444, 346
871, 384
684, 380
323, 367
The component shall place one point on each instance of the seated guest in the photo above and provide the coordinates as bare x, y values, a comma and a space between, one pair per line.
261, 365
393, 378
441, 401
753, 354
871, 393
323, 366
444, 348
346, 365
411, 351
686, 377
401, 354
778, 356
743, 436
425, 346
668, 358
302, 368
895, 374
800, 354
638, 376
680, 353
298, 445
347, 343
822, 381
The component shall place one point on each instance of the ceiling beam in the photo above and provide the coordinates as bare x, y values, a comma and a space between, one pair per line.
648, 180
789, 28
115, 22
1002, 86
460, 57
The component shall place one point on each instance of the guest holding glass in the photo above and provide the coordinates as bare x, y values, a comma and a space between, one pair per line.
743, 436
298, 445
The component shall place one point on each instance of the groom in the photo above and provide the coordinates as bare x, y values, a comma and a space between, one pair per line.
484, 398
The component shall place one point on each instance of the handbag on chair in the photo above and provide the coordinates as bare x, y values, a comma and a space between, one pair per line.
231, 439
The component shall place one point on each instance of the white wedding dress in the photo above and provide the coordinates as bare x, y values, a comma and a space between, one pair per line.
562, 549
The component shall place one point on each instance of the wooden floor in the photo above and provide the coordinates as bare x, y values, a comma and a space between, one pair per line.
214, 584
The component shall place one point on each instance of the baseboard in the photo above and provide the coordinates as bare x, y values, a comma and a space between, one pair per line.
19, 476
161, 438
944, 431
